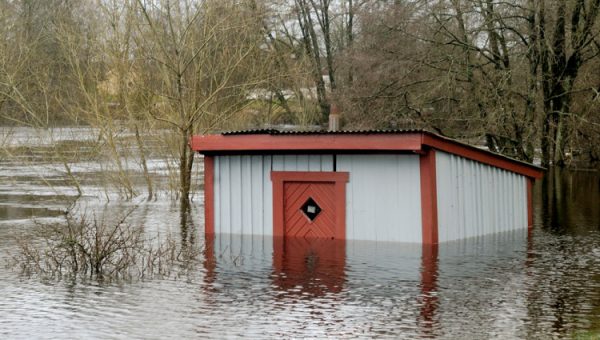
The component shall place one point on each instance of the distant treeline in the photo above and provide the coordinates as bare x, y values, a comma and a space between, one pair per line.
520, 76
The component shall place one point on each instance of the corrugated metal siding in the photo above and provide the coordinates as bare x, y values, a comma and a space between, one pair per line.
244, 192
476, 199
383, 197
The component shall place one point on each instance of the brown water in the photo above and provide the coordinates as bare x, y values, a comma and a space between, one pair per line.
546, 285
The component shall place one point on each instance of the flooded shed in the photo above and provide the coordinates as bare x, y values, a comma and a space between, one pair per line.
404, 186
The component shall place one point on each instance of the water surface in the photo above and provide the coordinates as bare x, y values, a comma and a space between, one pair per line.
545, 284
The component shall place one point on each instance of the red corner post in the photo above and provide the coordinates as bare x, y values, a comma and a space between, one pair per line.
530, 203
429, 212
209, 195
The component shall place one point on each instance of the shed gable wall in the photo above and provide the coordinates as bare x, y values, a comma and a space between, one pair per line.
243, 190
383, 197
475, 199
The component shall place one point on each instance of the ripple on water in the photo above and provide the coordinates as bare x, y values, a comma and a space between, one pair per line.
500, 286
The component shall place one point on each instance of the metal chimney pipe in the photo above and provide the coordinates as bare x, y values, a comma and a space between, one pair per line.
334, 118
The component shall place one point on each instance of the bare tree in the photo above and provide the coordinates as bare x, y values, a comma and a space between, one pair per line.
198, 65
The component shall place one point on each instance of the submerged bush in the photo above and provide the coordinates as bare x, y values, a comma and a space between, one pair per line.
85, 247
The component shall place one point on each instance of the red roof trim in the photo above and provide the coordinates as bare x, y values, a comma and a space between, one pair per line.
308, 142
359, 143
483, 156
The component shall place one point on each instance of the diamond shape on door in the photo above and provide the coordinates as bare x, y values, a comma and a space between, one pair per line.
311, 209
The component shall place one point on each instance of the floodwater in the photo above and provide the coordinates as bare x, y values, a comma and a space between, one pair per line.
512, 285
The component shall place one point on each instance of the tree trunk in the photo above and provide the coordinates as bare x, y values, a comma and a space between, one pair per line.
311, 46
140, 146
186, 158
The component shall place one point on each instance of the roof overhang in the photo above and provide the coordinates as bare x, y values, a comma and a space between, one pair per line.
360, 142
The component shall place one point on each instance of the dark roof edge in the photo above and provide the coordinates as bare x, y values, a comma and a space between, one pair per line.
478, 149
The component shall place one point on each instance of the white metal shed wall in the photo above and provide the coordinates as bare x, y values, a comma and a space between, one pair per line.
475, 199
244, 192
383, 197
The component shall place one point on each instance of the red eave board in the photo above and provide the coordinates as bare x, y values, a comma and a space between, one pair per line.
356, 143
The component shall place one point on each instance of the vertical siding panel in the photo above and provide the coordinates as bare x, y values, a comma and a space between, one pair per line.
459, 208
517, 203
367, 215
497, 183
290, 163
278, 164
326, 162
225, 195
267, 195
471, 204
499, 190
518, 219
445, 199
441, 170
456, 232
451, 198
217, 193
476, 203
478, 199
459, 197
482, 198
467, 200
236, 194
507, 203
513, 201
246, 178
502, 195
410, 172
495, 202
302, 163
524, 204
486, 197
439, 164
506, 195
314, 162
465, 195
345, 162
257, 194
492, 200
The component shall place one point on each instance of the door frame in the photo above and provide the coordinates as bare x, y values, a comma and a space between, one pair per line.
338, 178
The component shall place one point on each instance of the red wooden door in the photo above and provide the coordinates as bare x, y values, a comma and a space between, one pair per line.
309, 209
309, 204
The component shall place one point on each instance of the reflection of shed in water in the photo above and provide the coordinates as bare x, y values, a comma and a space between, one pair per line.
405, 285
309, 265
402, 186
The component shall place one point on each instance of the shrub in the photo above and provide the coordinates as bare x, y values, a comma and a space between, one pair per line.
84, 247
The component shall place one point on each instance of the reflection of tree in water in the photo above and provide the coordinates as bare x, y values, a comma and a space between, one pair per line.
566, 205
567, 199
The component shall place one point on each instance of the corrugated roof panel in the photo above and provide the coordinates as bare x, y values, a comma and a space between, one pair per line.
317, 132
